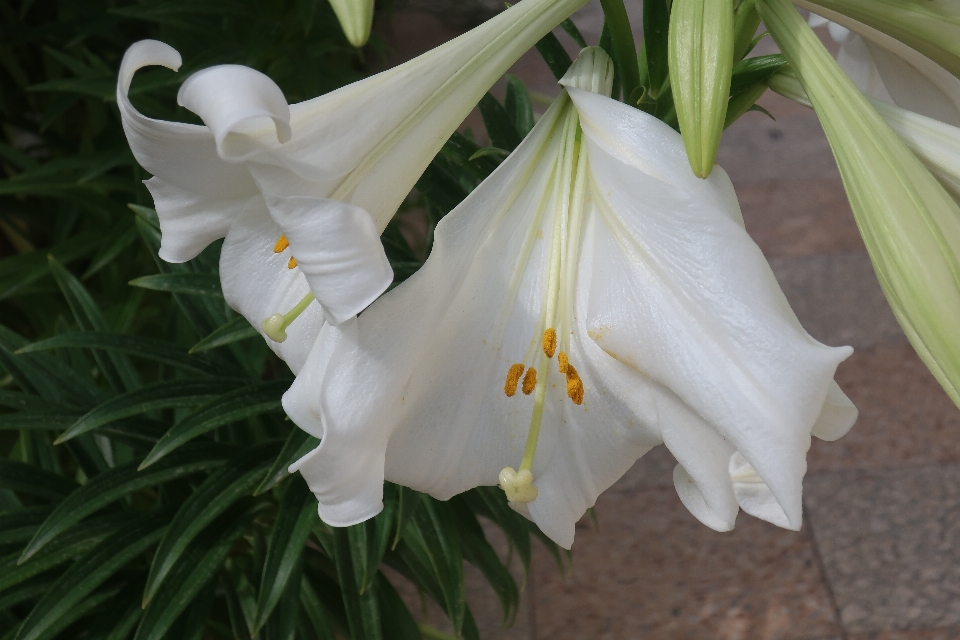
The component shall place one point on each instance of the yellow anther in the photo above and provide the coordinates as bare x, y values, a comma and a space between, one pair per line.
513, 378
292, 263
282, 244
574, 385
529, 381
563, 362
518, 485
550, 342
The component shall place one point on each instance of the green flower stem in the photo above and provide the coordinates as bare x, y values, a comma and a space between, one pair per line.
617, 21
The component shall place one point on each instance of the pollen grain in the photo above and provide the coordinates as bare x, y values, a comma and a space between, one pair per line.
563, 362
529, 381
550, 342
281, 245
513, 379
292, 263
574, 385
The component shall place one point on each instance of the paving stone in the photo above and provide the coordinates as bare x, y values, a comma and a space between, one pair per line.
915, 634
890, 543
837, 298
906, 419
799, 217
651, 570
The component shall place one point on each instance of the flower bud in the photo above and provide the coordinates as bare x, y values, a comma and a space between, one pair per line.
356, 19
701, 43
909, 223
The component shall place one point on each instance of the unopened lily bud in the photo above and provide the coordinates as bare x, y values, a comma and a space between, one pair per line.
701, 44
909, 222
356, 19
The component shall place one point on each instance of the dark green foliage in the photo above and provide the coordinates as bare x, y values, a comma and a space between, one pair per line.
144, 490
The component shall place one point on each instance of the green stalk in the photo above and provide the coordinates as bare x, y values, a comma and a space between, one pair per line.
617, 21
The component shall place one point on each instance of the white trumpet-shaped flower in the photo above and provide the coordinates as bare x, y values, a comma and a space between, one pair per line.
591, 299
884, 68
301, 192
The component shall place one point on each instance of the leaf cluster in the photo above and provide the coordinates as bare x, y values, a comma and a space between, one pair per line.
144, 490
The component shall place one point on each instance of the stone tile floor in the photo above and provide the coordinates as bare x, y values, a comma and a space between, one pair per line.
878, 557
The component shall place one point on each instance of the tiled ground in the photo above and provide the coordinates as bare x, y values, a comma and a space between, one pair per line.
879, 555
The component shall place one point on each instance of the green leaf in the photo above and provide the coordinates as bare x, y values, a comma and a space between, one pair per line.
363, 610
17, 272
215, 495
517, 103
283, 625
91, 571
198, 284
168, 394
195, 569
25, 401
24, 592
572, 31
37, 421
491, 503
496, 120
114, 245
431, 549
478, 552
43, 374
295, 516
147, 348
298, 444
656, 29
315, 611
230, 407
33, 480
234, 331
746, 20
65, 548
80, 610
398, 622
408, 501
116, 483
554, 55
747, 73
20, 525
116, 368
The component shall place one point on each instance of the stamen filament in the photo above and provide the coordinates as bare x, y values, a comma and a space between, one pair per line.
275, 326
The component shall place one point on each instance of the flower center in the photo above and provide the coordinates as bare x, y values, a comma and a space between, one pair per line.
551, 339
276, 325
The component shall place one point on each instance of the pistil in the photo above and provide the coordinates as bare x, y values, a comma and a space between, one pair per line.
276, 325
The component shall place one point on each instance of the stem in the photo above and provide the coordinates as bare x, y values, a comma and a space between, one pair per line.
616, 18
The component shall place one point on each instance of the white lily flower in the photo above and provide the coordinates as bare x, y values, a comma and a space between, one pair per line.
589, 300
301, 192
356, 19
884, 68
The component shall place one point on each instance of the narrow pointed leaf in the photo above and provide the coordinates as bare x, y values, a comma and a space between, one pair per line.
297, 445
115, 484
117, 369
228, 408
363, 610
194, 571
496, 120
20, 525
554, 55
37, 421
234, 331
517, 103
746, 21
572, 31
656, 25
225, 487
169, 394
198, 284
90, 572
295, 516
33, 480
65, 548
147, 348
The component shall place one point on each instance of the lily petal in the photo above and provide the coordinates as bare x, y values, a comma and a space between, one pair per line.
678, 329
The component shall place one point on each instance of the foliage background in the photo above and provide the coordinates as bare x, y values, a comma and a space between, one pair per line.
143, 452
